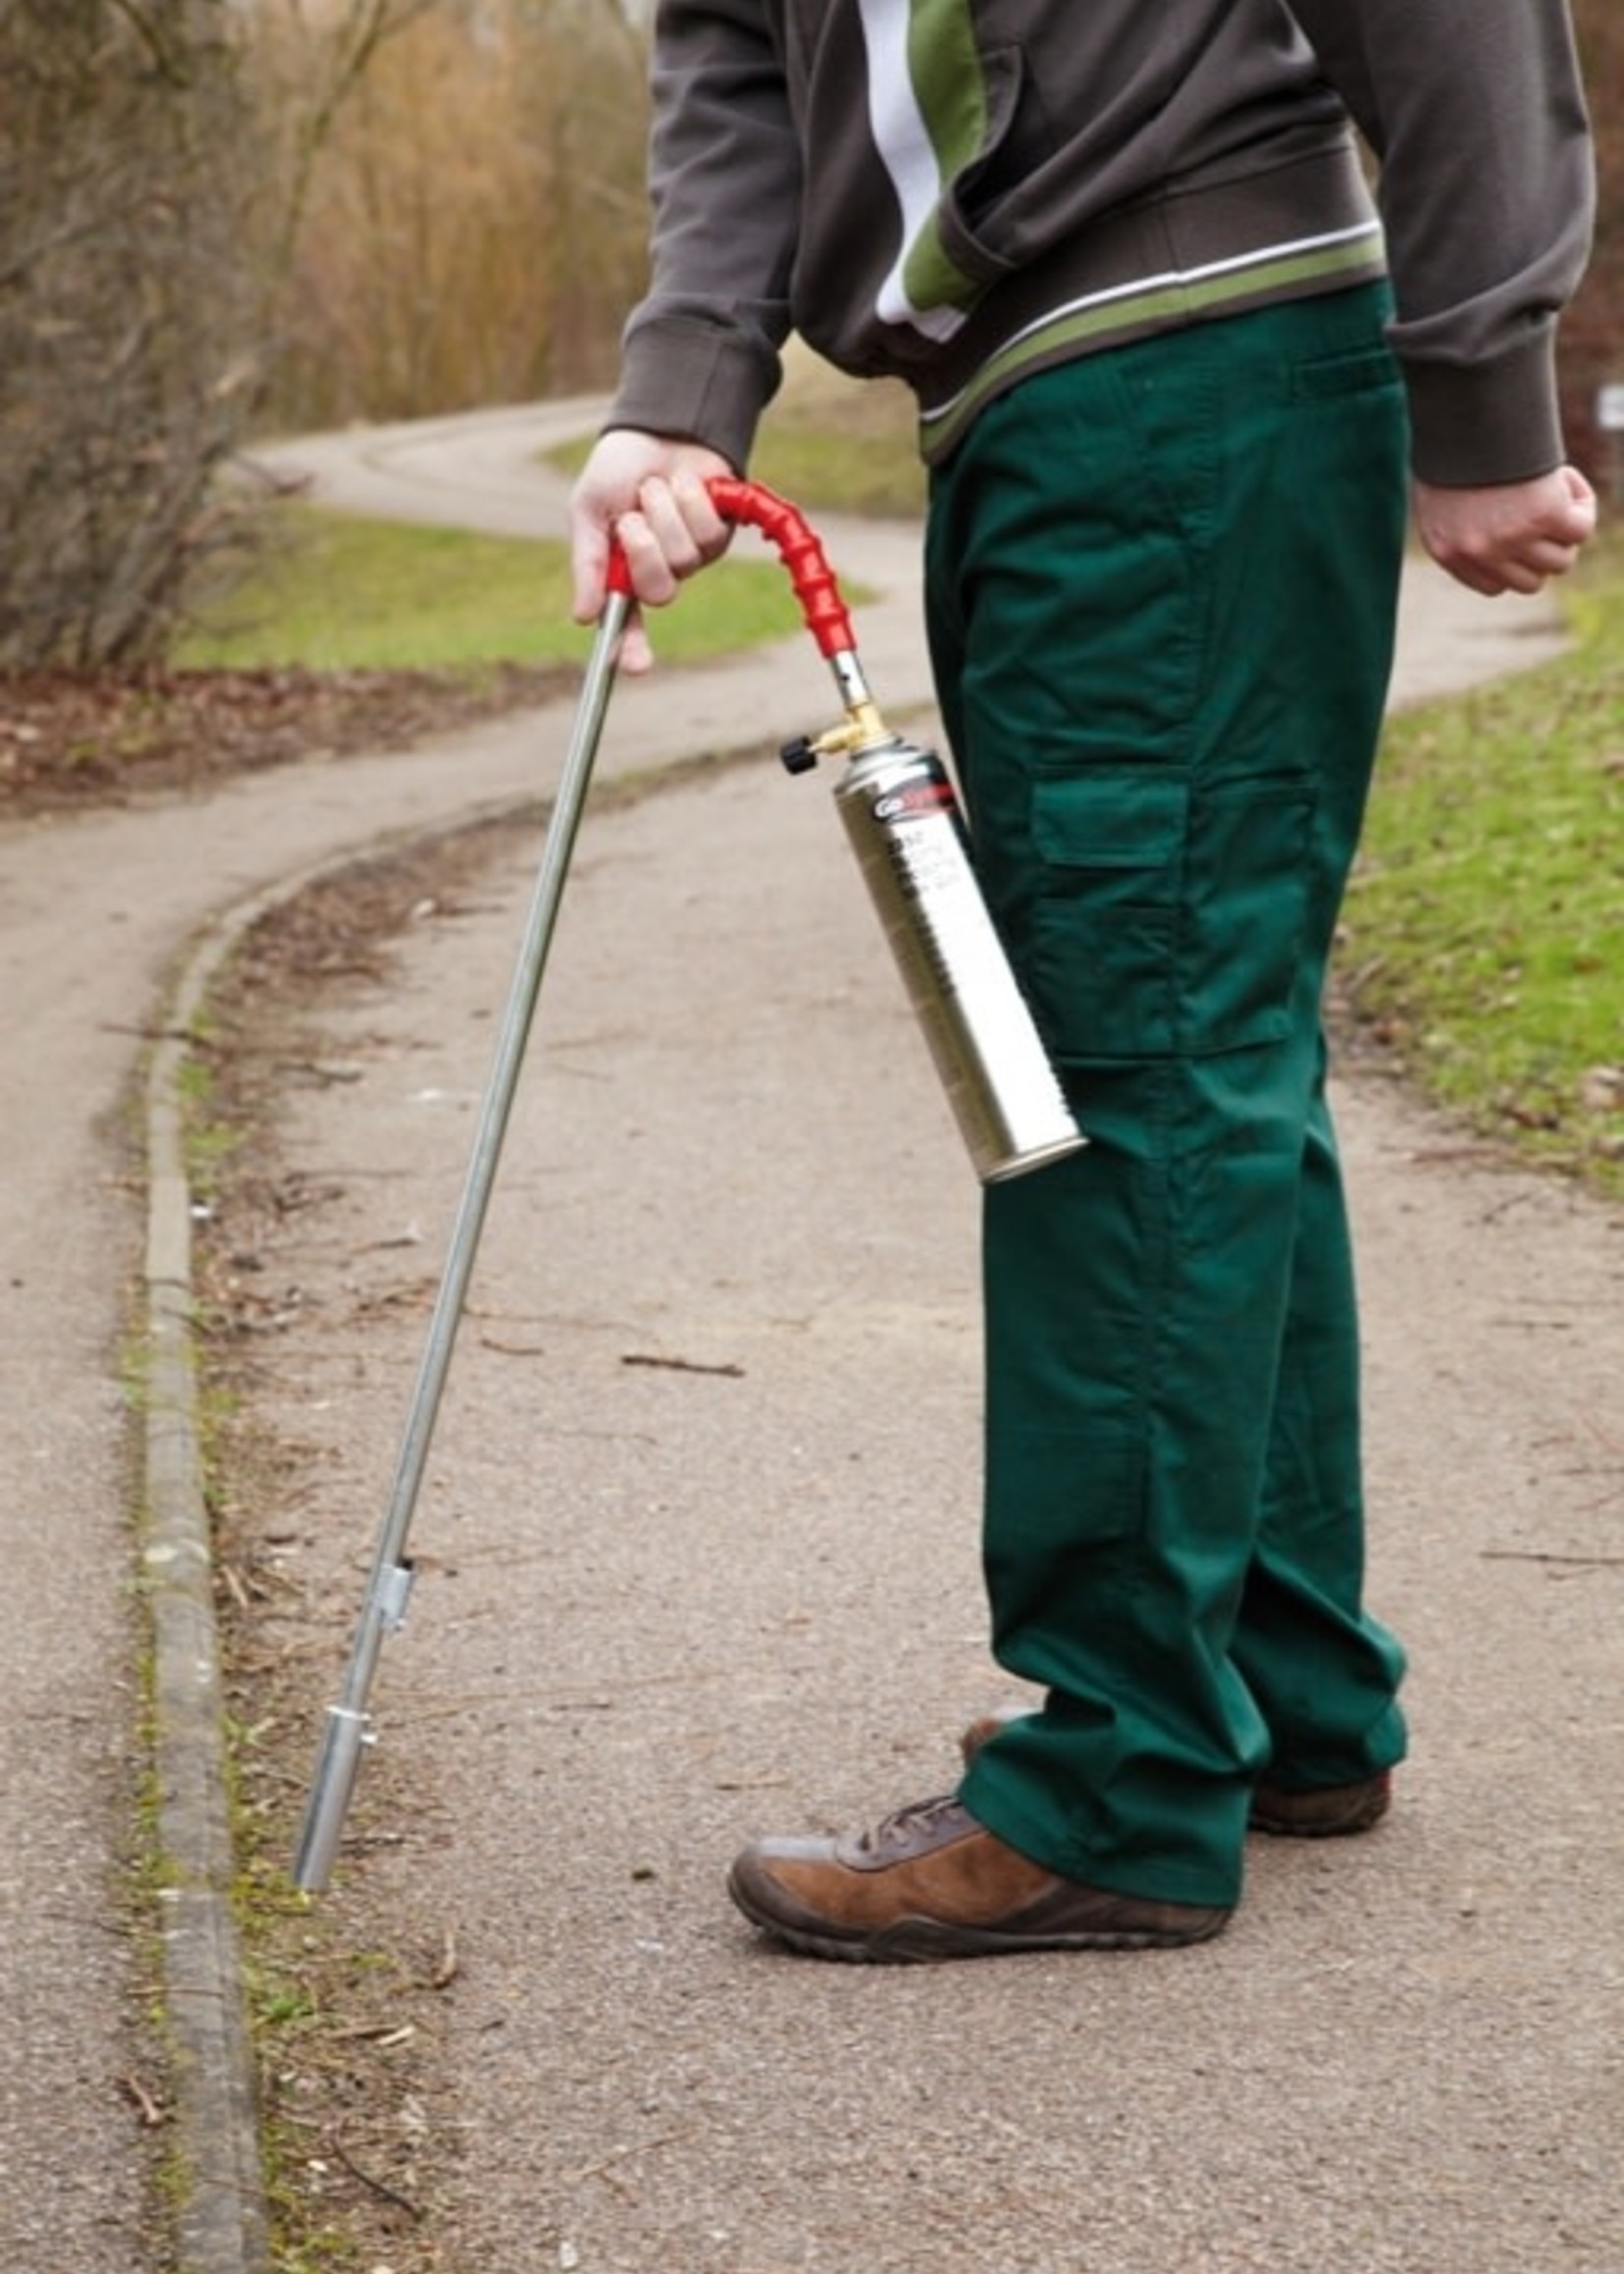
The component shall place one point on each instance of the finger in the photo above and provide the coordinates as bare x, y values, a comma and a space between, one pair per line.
1550, 556
1530, 563
653, 575
663, 511
1519, 576
1566, 512
1520, 562
1579, 524
692, 498
1580, 492
1464, 564
589, 565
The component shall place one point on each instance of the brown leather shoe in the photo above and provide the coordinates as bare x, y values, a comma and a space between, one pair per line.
931, 1883
1329, 1812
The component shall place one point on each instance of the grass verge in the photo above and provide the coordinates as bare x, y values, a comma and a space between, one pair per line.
1484, 929
335, 592
340, 593
834, 445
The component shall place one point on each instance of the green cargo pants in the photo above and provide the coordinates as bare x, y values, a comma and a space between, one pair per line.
1161, 585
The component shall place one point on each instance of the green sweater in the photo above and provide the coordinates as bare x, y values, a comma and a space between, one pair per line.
957, 193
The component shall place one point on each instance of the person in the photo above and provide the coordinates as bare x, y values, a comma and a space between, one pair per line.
1178, 371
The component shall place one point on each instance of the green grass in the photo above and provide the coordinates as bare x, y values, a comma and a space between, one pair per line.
337, 592
833, 444
1485, 924
863, 461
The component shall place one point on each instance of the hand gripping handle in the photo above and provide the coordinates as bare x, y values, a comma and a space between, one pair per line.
821, 608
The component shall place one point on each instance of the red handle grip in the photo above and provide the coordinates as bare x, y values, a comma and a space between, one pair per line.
801, 550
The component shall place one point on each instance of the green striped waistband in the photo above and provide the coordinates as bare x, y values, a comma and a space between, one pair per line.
1186, 257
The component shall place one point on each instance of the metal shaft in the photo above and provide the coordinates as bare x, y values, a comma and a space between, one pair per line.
346, 1729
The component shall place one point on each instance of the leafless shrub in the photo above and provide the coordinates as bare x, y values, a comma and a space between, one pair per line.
150, 192
125, 317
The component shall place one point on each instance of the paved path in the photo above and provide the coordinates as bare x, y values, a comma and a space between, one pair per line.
732, 1602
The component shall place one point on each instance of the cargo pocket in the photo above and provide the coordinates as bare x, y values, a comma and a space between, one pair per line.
1110, 846
1366, 369
1248, 941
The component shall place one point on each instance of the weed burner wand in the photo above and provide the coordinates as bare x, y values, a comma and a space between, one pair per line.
901, 814
347, 1727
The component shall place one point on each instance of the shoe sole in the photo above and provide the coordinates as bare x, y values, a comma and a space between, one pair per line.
1359, 1815
920, 1940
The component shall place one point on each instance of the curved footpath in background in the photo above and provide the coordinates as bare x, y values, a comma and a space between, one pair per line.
1496, 1338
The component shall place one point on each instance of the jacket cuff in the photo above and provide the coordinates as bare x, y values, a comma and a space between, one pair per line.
696, 381
1473, 426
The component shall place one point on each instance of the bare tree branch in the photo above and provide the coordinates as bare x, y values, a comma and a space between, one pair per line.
142, 23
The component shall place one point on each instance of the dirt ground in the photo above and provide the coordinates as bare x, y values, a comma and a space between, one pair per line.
345, 1999
70, 741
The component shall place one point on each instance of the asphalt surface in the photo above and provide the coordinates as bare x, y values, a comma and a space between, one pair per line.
700, 1561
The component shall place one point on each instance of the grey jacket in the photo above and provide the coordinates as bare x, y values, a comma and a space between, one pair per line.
959, 192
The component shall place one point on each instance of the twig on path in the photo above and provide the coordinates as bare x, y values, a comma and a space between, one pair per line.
379, 2187
680, 1365
151, 2114
449, 1966
1546, 1555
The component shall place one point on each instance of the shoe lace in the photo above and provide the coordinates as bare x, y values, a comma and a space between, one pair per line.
899, 1829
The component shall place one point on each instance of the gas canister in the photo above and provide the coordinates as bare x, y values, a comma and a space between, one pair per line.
903, 816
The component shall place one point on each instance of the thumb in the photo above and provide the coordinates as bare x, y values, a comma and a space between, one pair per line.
1583, 509
636, 650
589, 549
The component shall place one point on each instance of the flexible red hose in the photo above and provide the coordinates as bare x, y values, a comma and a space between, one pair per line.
801, 551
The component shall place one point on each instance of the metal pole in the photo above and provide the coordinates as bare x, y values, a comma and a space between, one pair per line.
346, 1729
